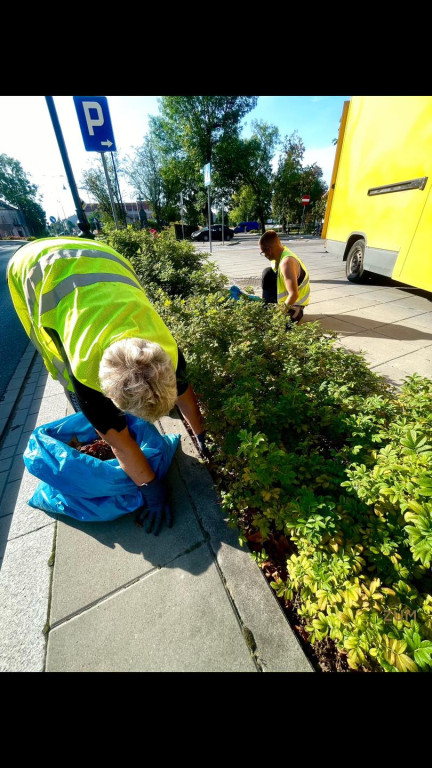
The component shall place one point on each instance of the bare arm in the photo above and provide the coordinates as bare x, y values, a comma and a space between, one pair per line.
129, 455
289, 269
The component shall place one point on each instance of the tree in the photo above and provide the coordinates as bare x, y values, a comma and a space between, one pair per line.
18, 191
94, 182
288, 181
192, 131
313, 185
242, 206
254, 165
145, 172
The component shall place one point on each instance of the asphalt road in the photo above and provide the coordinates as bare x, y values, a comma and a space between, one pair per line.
13, 339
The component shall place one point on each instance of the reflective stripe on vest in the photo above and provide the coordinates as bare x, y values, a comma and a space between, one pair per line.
303, 288
50, 300
35, 275
84, 306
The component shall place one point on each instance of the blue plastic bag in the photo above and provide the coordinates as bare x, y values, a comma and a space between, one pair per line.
81, 486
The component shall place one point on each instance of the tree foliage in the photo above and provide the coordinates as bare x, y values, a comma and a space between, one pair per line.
287, 183
192, 131
292, 180
94, 182
143, 171
256, 171
18, 191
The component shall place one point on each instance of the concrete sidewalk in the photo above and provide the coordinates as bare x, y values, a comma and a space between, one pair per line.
109, 597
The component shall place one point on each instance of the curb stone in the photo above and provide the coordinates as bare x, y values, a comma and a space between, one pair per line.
14, 388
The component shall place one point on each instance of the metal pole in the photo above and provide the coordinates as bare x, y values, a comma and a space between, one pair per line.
209, 218
83, 223
223, 239
181, 211
109, 189
117, 184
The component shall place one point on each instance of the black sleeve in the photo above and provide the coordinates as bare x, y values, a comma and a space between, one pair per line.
99, 410
182, 382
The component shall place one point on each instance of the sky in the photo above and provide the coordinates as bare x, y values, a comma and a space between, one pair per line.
27, 135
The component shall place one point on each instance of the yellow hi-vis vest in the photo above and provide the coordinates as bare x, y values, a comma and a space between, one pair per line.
90, 295
303, 287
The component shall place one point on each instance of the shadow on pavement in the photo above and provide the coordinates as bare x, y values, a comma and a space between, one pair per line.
399, 332
193, 525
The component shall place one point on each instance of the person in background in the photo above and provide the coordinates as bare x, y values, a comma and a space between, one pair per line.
286, 282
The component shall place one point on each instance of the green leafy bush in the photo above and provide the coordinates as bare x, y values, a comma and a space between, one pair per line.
166, 264
308, 442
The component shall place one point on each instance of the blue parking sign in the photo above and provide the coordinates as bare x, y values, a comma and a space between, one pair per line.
95, 123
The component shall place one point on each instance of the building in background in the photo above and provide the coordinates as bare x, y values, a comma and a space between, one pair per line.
132, 210
12, 222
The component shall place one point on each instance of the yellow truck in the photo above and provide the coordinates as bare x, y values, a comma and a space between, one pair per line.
379, 208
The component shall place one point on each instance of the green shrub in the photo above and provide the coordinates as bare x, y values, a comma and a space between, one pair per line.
311, 443
164, 263
308, 442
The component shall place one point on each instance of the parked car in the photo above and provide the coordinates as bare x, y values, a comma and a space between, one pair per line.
247, 226
216, 233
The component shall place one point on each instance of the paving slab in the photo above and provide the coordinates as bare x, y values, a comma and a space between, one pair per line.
95, 559
413, 336
24, 598
422, 321
168, 621
416, 362
376, 347
390, 312
415, 302
394, 375
332, 323
277, 648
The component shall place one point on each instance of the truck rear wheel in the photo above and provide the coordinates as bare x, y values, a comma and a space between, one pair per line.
354, 266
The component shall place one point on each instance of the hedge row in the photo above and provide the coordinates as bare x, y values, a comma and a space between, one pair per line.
308, 442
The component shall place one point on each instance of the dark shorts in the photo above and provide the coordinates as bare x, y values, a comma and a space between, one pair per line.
269, 294
101, 411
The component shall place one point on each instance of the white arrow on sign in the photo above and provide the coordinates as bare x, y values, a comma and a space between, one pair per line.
107, 143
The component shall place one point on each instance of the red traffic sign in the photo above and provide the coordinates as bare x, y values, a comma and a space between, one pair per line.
305, 199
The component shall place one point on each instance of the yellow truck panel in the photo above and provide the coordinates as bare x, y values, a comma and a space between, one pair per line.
380, 190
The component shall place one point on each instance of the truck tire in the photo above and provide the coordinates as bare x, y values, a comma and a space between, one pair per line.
354, 265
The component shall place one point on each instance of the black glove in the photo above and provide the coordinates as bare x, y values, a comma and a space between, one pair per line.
155, 507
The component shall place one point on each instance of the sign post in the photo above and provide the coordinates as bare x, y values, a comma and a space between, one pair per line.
305, 202
96, 129
83, 223
109, 189
182, 212
207, 182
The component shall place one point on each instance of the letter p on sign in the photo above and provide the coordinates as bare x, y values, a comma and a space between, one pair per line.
87, 106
